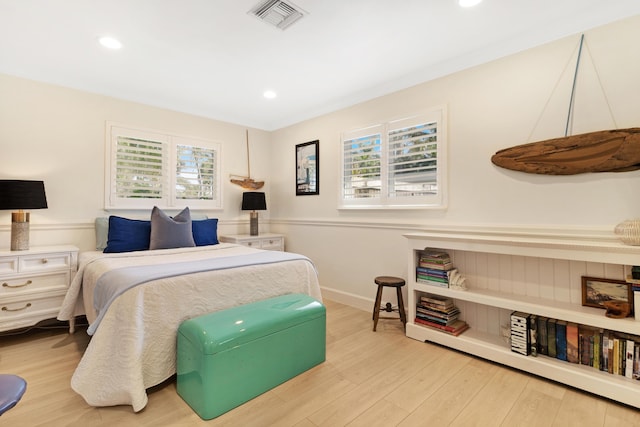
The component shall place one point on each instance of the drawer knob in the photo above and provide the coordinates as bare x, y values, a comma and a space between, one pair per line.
27, 305
44, 260
6, 285
249, 243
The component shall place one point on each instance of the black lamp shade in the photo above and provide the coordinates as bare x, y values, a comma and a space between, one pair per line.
19, 194
253, 201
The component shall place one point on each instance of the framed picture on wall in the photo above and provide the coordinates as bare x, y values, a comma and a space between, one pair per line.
596, 292
308, 168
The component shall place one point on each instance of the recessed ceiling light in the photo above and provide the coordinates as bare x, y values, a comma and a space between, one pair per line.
110, 42
468, 3
269, 94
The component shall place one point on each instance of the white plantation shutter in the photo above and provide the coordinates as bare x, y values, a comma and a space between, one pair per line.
139, 168
396, 164
413, 159
146, 169
196, 173
362, 164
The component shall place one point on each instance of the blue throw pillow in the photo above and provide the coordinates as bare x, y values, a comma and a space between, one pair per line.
127, 235
205, 231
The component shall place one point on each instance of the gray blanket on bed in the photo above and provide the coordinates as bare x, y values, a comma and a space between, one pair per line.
115, 282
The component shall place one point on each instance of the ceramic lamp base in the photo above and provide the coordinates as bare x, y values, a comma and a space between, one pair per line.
19, 231
253, 223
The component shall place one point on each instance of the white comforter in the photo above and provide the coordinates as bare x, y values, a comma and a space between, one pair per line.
134, 347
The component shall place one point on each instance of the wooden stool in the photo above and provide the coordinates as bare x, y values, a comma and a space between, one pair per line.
393, 282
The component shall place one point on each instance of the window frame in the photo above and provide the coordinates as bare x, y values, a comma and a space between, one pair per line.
170, 142
383, 201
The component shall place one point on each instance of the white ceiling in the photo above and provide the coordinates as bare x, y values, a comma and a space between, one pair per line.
211, 58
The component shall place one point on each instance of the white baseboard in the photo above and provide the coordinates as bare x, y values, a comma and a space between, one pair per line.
349, 299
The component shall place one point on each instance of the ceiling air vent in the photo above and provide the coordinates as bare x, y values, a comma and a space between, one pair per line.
278, 13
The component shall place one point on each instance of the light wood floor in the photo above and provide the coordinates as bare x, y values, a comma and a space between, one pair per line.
369, 379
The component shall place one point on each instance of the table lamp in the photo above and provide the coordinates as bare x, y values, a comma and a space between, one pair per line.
20, 195
253, 201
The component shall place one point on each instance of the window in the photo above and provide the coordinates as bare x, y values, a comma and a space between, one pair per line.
147, 168
401, 163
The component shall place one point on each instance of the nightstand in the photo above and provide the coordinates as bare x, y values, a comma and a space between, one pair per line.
269, 241
33, 284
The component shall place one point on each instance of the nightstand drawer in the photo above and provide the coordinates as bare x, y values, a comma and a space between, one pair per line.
33, 284
251, 243
45, 262
8, 265
18, 313
21, 284
267, 241
274, 244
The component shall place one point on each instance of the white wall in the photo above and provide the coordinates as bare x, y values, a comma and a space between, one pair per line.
57, 135
518, 99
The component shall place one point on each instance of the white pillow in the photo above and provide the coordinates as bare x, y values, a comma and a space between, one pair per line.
102, 232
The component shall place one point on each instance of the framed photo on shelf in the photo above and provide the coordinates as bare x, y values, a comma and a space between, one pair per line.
308, 168
596, 291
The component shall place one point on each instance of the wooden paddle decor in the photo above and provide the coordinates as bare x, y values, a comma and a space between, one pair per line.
601, 151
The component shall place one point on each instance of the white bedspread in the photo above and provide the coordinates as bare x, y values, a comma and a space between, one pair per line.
134, 347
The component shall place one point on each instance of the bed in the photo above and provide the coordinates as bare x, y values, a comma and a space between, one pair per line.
134, 335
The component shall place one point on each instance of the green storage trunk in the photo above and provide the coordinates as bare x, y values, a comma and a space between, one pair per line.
228, 357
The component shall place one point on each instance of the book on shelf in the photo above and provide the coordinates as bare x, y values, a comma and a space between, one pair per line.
520, 341
636, 361
572, 343
434, 307
435, 259
542, 335
604, 360
441, 267
436, 255
628, 371
585, 345
456, 328
622, 355
611, 357
616, 358
430, 278
452, 314
596, 349
438, 320
551, 338
433, 272
433, 283
533, 334
437, 299
561, 340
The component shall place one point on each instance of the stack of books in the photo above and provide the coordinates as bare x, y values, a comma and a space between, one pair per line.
434, 266
440, 313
